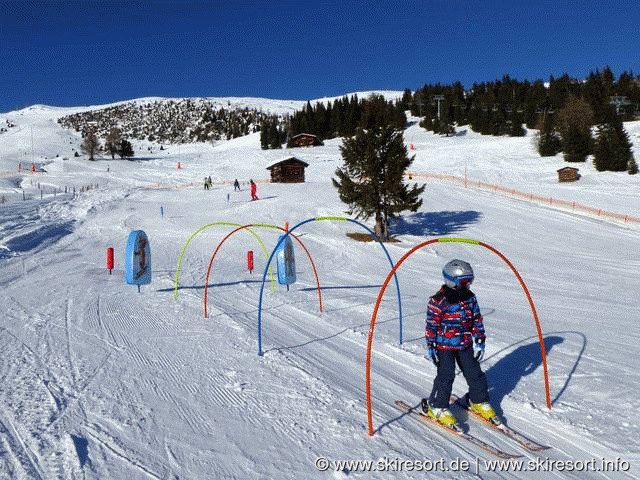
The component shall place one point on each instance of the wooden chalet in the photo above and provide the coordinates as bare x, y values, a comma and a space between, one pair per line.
288, 170
306, 140
568, 174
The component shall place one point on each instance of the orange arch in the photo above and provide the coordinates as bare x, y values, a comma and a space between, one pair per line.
206, 281
381, 294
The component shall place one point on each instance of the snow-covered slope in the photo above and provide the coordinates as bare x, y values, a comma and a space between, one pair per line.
100, 381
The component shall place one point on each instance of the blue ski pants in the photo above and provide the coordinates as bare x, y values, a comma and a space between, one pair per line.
471, 370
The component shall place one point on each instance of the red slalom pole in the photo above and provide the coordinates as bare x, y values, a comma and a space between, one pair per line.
250, 261
110, 259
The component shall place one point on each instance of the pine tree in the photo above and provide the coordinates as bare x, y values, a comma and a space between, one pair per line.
442, 124
574, 125
597, 89
271, 134
559, 90
277, 136
126, 150
612, 149
371, 181
264, 135
335, 122
534, 99
515, 126
405, 101
548, 142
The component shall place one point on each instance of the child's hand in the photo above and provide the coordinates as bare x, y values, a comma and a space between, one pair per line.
433, 354
478, 349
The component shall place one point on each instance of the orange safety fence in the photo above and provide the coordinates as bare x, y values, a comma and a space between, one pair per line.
575, 206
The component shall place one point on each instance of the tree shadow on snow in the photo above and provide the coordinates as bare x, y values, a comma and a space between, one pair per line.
210, 285
339, 287
139, 159
433, 223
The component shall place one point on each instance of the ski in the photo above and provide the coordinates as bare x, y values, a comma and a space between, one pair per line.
427, 420
501, 427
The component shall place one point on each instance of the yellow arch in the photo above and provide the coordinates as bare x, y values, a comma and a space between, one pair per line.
228, 224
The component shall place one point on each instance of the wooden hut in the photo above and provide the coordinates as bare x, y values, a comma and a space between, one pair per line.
288, 170
306, 140
568, 174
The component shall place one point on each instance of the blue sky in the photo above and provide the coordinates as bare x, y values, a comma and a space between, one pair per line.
70, 52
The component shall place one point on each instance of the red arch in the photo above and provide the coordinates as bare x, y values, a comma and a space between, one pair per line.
384, 286
206, 281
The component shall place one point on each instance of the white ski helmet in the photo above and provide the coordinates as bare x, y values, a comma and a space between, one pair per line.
457, 274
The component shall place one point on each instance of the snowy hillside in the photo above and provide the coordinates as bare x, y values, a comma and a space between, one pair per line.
102, 382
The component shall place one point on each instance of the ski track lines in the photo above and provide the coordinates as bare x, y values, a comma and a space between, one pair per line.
316, 347
225, 387
320, 346
281, 408
135, 456
160, 371
26, 411
308, 342
15, 456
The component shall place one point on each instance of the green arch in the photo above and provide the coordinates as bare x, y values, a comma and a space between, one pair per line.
228, 224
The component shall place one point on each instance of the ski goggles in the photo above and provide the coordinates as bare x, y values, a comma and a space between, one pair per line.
465, 281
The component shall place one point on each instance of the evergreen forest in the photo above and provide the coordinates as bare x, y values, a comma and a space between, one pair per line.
563, 110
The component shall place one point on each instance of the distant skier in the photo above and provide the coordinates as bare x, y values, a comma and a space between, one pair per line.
454, 331
236, 185
254, 196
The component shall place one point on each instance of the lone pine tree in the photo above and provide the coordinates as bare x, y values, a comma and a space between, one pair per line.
371, 180
126, 149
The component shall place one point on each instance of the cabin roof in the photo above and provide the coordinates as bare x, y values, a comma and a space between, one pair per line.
287, 160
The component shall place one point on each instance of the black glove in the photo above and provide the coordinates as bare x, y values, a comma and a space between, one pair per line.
433, 354
478, 349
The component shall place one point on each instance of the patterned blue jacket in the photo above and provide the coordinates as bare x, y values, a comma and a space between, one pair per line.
454, 321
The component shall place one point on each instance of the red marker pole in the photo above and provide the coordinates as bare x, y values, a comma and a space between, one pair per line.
250, 261
110, 259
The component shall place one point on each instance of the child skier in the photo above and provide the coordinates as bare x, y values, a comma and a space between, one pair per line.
254, 196
455, 334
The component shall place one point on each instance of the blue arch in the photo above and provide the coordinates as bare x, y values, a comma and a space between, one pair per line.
342, 219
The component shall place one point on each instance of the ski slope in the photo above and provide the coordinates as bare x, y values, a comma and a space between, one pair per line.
102, 382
